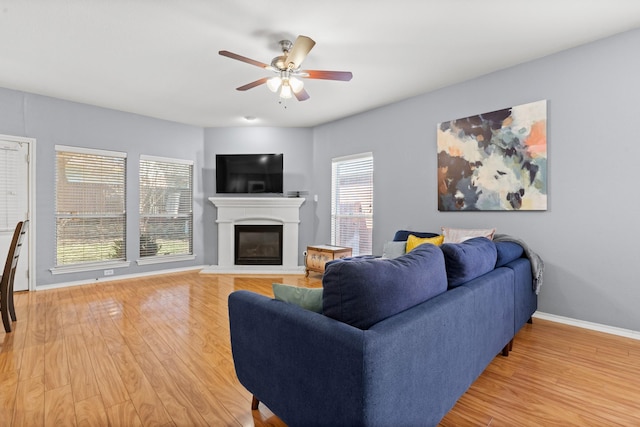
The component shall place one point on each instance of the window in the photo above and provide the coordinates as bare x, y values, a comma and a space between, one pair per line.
352, 203
166, 207
90, 206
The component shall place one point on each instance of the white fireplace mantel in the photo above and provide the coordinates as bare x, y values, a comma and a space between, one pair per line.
234, 211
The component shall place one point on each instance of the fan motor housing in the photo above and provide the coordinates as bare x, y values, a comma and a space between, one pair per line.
278, 62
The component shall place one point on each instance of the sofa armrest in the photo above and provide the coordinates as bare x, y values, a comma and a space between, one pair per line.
303, 365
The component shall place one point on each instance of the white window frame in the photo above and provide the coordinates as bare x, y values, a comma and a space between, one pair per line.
156, 259
354, 216
90, 265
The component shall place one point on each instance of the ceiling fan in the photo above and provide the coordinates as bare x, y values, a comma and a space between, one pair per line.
287, 67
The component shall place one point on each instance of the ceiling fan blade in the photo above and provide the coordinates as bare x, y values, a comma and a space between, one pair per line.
299, 51
301, 95
243, 59
253, 84
344, 76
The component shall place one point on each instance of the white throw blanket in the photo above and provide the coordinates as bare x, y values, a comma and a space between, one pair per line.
537, 265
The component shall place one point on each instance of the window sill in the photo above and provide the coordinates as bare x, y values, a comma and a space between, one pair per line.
165, 258
89, 267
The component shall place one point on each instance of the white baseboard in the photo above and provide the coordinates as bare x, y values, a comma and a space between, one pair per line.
627, 333
112, 278
252, 269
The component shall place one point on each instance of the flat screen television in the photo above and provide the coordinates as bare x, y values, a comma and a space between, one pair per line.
249, 173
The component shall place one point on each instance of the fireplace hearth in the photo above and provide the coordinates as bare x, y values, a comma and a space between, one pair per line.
258, 245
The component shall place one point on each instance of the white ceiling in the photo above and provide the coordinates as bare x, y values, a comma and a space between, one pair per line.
159, 58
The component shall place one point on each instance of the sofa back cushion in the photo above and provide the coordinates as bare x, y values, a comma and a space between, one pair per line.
507, 252
467, 260
362, 292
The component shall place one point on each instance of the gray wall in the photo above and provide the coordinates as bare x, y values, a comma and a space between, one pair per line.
296, 144
52, 121
587, 237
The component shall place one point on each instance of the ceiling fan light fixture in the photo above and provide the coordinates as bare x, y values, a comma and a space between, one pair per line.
274, 83
285, 91
296, 84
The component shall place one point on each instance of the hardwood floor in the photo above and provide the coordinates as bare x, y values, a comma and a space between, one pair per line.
155, 351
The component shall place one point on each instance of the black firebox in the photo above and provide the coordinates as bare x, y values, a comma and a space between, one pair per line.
258, 245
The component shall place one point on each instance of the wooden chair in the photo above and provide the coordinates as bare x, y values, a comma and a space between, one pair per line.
6, 283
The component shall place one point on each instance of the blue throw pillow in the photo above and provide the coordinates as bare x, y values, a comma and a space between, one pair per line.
469, 259
507, 252
362, 292
403, 235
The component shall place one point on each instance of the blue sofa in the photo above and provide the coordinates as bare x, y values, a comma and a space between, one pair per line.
398, 342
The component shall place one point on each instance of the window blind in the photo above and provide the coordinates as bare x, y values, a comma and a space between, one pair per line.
90, 206
352, 203
166, 207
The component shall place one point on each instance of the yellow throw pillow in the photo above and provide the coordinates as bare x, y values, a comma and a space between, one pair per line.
413, 241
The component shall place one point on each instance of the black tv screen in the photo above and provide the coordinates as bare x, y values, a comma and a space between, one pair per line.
249, 173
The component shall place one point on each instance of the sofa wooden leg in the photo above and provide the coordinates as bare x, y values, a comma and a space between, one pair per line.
505, 351
530, 321
507, 348
254, 403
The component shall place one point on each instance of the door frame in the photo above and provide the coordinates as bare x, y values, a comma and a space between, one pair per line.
31, 212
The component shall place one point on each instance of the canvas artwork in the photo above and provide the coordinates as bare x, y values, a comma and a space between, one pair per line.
494, 161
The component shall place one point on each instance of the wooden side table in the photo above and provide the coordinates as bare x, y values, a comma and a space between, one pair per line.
318, 255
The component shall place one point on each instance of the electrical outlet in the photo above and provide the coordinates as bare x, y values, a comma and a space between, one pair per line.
108, 272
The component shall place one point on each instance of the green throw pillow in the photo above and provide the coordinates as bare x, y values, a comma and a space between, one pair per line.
307, 298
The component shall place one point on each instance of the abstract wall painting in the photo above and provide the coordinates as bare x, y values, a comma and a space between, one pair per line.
494, 161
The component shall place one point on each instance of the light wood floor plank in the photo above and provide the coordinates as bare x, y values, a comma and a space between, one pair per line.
59, 407
178, 405
91, 412
32, 362
108, 379
10, 361
210, 408
30, 403
56, 365
156, 351
83, 380
143, 396
8, 391
123, 414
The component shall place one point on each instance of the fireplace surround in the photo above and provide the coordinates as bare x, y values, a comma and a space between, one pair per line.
279, 211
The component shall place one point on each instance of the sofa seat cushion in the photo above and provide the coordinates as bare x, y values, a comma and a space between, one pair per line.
363, 291
470, 259
507, 252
